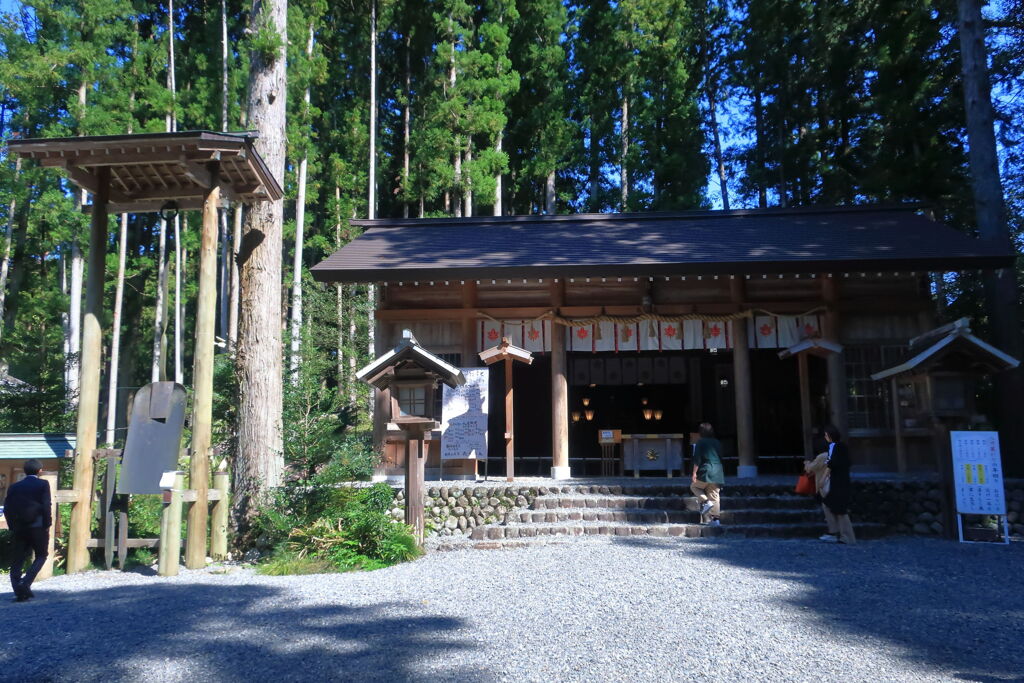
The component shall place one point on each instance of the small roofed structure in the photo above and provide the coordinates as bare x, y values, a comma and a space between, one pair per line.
412, 374
506, 351
935, 382
809, 346
148, 173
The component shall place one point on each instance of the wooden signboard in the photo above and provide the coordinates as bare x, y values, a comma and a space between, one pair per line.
464, 417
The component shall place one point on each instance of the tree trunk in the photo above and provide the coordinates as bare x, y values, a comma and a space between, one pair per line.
624, 150
467, 194
1001, 286
233, 303
158, 370
75, 321
352, 345
260, 460
5, 266
179, 269
371, 211
115, 333
549, 194
762, 193
719, 159
300, 219
497, 177
406, 124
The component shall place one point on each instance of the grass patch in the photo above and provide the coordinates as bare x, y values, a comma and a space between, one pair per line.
288, 564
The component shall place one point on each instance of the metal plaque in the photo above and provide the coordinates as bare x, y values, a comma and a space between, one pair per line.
154, 437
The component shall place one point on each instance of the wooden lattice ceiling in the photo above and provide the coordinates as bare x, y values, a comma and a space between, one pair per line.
148, 171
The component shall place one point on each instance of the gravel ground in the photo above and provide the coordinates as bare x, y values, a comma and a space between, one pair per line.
577, 610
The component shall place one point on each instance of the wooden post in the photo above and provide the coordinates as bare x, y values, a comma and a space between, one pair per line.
897, 426
510, 468
806, 428
559, 392
836, 365
219, 518
122, 539
414, 467
744, 400
89, 378
47, 570
202, 378
109, 484
170, 530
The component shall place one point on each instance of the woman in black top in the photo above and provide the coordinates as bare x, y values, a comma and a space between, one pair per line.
836, 503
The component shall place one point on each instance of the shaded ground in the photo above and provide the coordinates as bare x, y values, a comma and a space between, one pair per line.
583, 609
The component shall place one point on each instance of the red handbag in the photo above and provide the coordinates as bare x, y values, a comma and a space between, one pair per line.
805, 485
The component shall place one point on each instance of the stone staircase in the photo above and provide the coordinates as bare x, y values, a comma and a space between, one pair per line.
658, 510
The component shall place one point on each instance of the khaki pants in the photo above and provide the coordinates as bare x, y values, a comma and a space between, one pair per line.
839, 525
706, 491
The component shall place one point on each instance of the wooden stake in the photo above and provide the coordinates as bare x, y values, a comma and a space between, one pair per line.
202, 379
414, 470
47, 570
170, 530
510, 467
89, 379
806, 428
219, 517
109, 484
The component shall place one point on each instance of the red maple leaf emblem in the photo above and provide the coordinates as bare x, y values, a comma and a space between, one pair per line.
809, 329
492, 335
533, 334
766, 329
582, 333
627, 333
670, 331
715, 331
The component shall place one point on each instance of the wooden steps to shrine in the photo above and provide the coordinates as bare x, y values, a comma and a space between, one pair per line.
655, 510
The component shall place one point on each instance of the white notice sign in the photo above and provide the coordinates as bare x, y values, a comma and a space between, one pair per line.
977, 473
464, 418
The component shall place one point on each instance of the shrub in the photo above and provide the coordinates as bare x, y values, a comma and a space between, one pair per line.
286, 564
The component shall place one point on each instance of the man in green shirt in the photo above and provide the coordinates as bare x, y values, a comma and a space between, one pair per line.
708, 475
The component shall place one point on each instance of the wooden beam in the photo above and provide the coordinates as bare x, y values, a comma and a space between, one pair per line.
89, 379
90, 182
202, 377
129, 159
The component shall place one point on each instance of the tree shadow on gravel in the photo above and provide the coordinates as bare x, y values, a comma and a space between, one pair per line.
222, 633
941, 603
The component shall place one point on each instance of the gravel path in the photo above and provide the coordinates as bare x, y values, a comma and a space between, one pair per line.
581, 610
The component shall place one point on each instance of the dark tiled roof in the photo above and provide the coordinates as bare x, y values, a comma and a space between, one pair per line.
749, 241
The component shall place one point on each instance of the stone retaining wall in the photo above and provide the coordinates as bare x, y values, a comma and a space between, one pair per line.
909, 507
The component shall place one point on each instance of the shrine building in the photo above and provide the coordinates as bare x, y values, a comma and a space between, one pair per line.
766, 323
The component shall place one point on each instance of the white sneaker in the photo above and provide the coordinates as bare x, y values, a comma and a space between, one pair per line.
706, 507
829, 538
714, 522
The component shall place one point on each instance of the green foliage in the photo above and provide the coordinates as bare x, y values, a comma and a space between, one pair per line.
286, 564
144, 514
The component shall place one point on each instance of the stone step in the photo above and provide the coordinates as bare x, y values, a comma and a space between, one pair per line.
655, 516
669, 502
672, 487
582, 528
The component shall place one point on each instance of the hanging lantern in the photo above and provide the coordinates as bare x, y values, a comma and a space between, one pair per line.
589, 414
648, 413
575, 416
643, 401
586, 401
658, 413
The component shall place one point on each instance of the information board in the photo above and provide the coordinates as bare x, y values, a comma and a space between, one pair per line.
977, 473
464, 418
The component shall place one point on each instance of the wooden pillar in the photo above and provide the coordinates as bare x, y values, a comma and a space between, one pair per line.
170, 530
469, 351
897, 426
806, 428
510, 450
743, 389
835, 362
219, 517
47, 570
414, 469
89, 378
109, 519
559, 392
202, 378
744, 399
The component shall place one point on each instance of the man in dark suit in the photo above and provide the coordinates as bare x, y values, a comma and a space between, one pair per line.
27, 510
